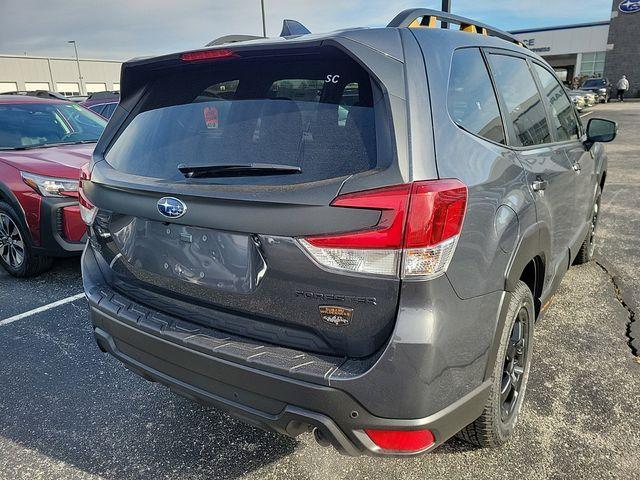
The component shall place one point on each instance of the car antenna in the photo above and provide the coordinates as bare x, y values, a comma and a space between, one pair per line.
293, 27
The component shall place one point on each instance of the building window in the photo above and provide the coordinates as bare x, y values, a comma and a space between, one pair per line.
96, 87
592, 64
116, 87
8, 87
30, 86
68, 89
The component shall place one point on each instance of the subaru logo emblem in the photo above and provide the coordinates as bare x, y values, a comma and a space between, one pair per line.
171, 207
629, 6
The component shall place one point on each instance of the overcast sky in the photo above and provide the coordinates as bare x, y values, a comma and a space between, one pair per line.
117, 29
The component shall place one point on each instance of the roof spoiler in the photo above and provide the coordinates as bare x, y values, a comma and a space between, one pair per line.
290, 28
231, 39
426, 18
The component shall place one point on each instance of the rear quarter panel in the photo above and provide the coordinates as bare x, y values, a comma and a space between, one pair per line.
500, 206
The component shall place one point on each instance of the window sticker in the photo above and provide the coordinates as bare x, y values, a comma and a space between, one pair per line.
211, 117
332, 78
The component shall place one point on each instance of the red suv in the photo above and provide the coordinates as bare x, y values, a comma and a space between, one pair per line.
43, 145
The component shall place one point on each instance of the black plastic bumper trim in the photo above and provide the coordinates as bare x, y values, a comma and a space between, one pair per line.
287, 422
51, 242
329, 408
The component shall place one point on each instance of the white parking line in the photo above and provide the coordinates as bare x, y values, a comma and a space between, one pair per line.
44, 308
585, 114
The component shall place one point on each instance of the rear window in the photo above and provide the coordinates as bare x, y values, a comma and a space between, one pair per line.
315, 112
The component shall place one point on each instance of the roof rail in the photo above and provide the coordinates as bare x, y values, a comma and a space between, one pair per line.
426, 18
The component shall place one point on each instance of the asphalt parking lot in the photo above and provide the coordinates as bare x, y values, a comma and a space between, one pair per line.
69, 412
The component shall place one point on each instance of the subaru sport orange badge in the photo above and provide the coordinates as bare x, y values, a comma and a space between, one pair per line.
338, 316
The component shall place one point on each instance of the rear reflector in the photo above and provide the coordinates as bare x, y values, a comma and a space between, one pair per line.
402, 440
88, 210
207, 55
417, 231
368, 261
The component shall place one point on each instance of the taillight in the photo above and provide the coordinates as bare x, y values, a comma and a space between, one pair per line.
407, 441
208, 55
88, 210
415, 236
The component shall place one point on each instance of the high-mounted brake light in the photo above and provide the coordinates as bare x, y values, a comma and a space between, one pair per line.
88, 210
416, 234
408, 441
208, 55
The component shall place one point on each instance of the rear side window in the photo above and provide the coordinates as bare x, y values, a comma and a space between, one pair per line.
524, 105
562, 112
315, 112
471, 99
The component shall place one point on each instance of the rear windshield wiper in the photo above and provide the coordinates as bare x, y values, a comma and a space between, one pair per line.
246, 170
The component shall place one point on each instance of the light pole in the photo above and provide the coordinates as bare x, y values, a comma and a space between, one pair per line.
264, 25
75, 47
446, 7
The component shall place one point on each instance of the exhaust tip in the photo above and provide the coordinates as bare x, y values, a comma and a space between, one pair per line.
321, 438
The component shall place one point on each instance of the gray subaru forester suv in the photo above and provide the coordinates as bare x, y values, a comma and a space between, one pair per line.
350, 233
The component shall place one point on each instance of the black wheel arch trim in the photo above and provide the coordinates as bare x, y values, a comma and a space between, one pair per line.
6, 195
534, 242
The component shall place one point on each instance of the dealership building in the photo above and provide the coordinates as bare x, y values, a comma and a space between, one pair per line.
63, 75
607, 49
572, 50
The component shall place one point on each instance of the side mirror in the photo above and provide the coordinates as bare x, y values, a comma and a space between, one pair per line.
601, 130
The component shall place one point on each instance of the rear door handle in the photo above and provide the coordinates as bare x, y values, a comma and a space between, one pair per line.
539, 185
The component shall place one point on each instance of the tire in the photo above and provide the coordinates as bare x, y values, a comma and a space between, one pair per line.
500, 415
16, 252
587, 249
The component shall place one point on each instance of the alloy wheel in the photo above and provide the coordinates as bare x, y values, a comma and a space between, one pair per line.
12, 248
514, 365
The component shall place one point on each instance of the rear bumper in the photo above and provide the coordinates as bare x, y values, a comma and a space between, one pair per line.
265, 400
276, 397
62, 232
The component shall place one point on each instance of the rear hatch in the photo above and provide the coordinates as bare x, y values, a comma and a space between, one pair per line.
222, 169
